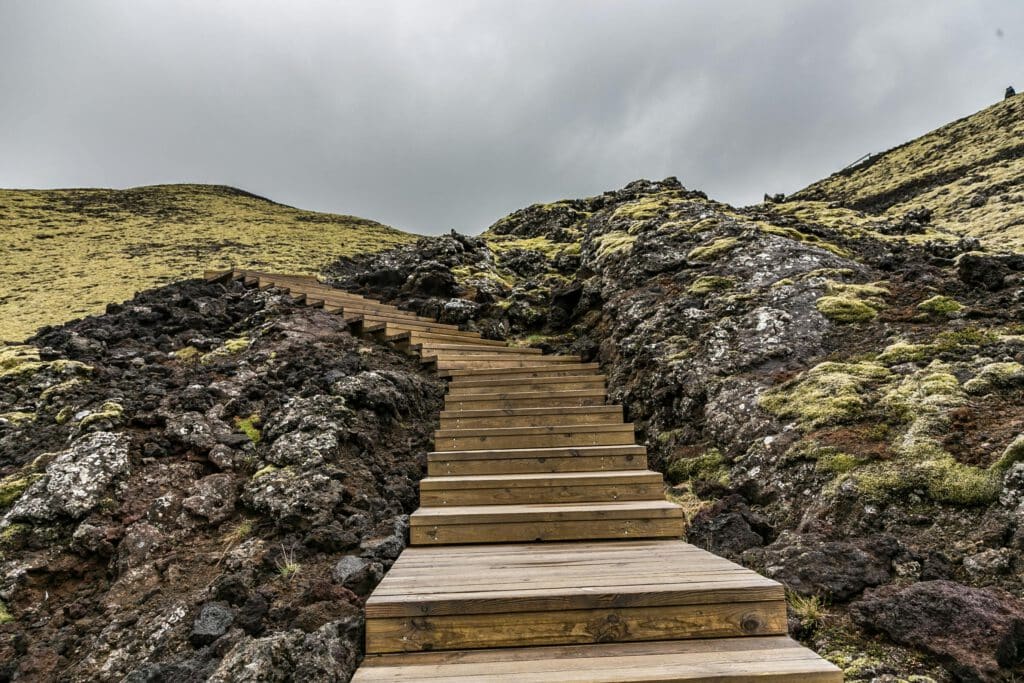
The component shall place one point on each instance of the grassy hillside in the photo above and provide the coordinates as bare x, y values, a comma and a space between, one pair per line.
969, 173
70, 252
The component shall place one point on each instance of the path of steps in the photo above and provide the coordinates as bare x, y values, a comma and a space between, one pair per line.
544, 549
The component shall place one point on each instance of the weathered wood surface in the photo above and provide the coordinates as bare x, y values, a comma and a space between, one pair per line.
540, 525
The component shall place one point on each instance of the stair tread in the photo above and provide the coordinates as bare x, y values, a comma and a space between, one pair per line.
551, 512
545, 429
517, 412
766, 658
540, 452
554, 479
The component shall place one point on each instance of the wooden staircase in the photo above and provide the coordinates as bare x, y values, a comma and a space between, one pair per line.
544, 550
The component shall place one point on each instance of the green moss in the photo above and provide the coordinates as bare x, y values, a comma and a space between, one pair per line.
17, 417
710, 283
64, 415
827, 394
228, 348
550, 249
60, 388
996, 376
614, 242
940, 306
265, 471
21, 360
713, 250
851, 302
108, 411
13, 486
11, 536
837, 462
189, 354
844, 309
250, 427
796, 235
902, 352
17, 360
707, 467
466, 275
5, 615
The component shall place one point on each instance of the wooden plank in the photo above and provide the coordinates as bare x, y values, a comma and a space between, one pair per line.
538, 531
661, 509
533, 480
568, 383
753, 659
538, 437
468, 631
554, 399
441, 466
462, 348
508, 373
564, 493
417, 337
615, 594
466, 382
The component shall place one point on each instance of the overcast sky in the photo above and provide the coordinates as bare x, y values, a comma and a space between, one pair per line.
439, 115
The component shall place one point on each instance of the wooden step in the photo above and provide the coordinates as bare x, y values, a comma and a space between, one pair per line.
382, 323
528, 399
550, 436
391, 333
526, 595
530, 417
430, 348
410, 338
564, 487
357, 307
519, 373
492, 363
545, 523
536, 460
765, 659
537, 384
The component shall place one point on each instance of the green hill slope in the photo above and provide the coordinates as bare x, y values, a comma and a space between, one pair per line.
70, 252
969, 174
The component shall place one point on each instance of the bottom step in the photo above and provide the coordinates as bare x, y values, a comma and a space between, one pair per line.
723, 660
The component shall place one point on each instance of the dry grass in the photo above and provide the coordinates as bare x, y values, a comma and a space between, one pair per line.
970, 173
70, 252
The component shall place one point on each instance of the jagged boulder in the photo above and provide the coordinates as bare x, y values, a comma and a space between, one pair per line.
980, 632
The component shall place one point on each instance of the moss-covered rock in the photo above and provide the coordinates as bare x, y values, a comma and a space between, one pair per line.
827, 394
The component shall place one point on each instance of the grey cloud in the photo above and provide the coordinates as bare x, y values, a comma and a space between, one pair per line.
432, 116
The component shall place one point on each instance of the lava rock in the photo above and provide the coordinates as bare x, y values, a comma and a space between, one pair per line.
979, 270
980, 632
214, 498
76, 481
357, 574
836, 570
328, 654
213, 621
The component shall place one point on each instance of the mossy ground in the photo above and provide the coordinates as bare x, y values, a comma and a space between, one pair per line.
71, 252
969, 173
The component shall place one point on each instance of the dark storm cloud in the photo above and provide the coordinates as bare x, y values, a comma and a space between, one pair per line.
431, 115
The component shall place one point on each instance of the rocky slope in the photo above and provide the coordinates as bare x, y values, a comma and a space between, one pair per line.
201, 484
70, 252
